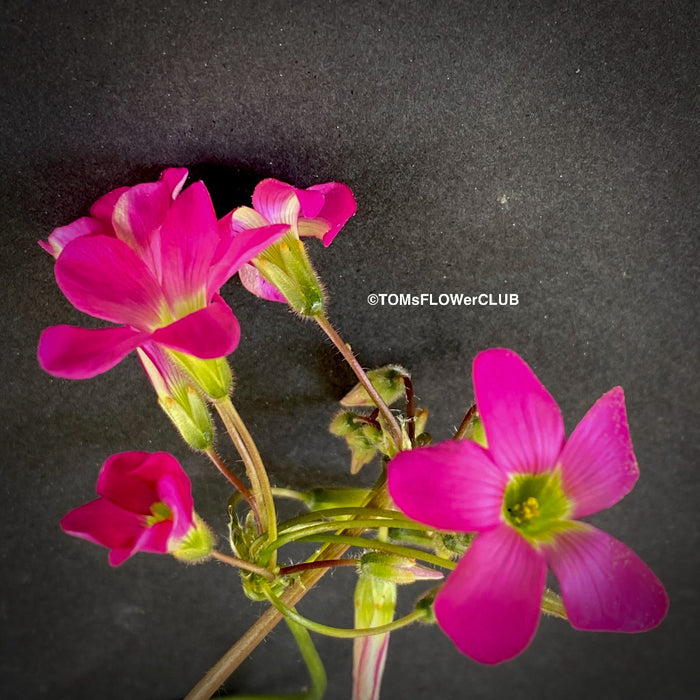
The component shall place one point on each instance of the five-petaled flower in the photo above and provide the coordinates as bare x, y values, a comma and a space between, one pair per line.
152, 259
524, 495
144, 505
319, 211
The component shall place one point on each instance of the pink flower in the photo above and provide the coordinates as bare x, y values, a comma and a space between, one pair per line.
319, 211
144, 505
524, 496
152, 260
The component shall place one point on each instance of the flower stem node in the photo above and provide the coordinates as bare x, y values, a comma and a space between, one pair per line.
388, 381
395, 569
287, 266
196, 546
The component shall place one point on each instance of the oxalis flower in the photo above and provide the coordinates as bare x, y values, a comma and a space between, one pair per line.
319, 212
144, 505
524, 495
152, 259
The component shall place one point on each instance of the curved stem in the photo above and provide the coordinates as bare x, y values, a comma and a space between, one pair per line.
355, 541
242, 564
319, 515
338, 632
356, 367
302, 534
255, 468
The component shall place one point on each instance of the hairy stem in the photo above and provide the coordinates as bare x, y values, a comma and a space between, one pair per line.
242, 564
237, 483
356, 367
255, 468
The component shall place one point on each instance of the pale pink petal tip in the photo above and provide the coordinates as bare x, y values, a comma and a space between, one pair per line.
522, 421
490, 605
605, 586
598, 463
256, 284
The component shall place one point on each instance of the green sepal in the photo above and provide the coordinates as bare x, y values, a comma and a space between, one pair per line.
196, 545
388, 381
213, 377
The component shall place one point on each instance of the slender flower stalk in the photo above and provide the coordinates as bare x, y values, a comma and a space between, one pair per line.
262, 492
340, 632
235, 482
242, 564
356, 367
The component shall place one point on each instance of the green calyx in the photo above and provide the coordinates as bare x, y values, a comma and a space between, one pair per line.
535, 505
287, 266
196, 545
212, 377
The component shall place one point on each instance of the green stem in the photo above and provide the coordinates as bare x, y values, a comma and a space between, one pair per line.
291, 493
242, 564
302, 533
262, 492
353, 541
313, 664
338, 632
356, 367
319, 515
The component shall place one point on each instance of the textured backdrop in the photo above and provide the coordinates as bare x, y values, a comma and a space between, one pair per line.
539, 148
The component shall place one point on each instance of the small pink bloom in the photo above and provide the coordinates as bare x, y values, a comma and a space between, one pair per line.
144, 505
319, 211
152, 259
524, 495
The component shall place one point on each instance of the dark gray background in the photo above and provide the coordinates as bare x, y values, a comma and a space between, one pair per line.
546, 149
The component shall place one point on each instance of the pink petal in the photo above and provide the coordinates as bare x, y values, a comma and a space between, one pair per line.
256, 284
129, 480
102, 522
339, 205
80, 353
208, 333
62, 236
279, 202
103, 208
523, 425
174, 179
490, 605
188, 238
139, 213
604, 584
238, 249
103, 277
369, 659
175, 491
155, 538
598, 462
453, 485
241, 219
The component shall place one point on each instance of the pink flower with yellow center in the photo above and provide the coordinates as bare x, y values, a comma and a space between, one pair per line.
525, 495
152, 259
144, 505
319, 211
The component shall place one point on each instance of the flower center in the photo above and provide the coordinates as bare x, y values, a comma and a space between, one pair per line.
535, 504
160, 513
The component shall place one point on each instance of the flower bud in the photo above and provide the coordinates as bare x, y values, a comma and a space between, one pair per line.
180, 401
321, 498
213, 377
375, 602
396, 569
388, 381
363, 438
